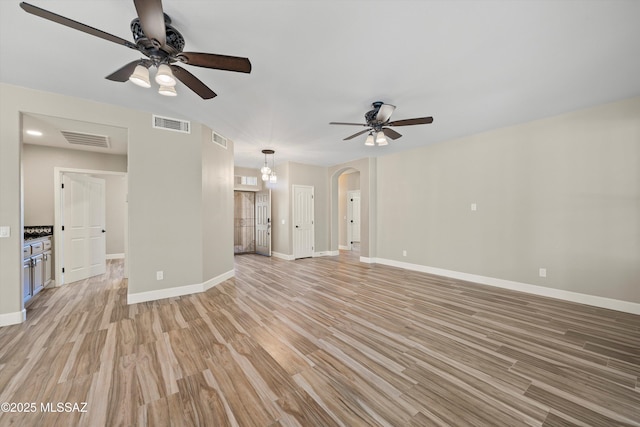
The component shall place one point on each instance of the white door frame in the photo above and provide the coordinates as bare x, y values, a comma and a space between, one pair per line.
57, 228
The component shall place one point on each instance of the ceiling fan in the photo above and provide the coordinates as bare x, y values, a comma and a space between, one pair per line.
162, 46
378, 123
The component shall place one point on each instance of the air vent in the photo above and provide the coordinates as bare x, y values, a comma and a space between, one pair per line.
87, 139
171, 124
219, 139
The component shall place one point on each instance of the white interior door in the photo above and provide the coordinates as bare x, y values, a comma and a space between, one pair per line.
353, 216
303, 227
263, 222
83, 213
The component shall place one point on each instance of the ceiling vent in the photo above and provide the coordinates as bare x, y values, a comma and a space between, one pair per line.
219, 139
86, 139
175, 125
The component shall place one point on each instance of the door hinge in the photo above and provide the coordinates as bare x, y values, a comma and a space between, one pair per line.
63, 228
352, 200
62, 185
63, 269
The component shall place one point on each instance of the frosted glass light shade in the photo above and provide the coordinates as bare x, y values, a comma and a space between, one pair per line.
369, 142
167, 91
381, 139
164, 76
140, 76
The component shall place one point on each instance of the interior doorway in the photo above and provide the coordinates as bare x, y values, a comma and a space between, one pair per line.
244, 222
353, 218
349, 210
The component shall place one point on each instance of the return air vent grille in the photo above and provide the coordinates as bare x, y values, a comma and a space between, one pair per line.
175, 125
86, 139
219, 139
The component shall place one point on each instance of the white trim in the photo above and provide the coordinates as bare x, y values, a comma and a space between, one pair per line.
214, 281
114, 256
593, 300
367, 260
325, 253
282, 256
179, 290
14, 318
344, 247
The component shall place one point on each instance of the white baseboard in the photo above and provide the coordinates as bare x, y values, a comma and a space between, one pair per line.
344, 247
115, 256
326, 253
282, 256
14, 318
217, 280
596, 301
367, 260
179, 290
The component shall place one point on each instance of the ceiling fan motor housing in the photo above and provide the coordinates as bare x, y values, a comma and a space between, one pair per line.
174, 43
370, 116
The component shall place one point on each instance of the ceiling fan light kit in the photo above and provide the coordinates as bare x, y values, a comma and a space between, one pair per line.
140, 76
164, 76
167, 91
378, 123
161, 44
370, 140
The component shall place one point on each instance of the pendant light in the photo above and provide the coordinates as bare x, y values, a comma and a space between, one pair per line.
266, 171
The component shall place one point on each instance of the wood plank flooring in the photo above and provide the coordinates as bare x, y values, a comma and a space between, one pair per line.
320, 342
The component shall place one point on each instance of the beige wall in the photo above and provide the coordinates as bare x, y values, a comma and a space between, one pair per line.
561, 193
280, 202
166, 196
38, 164
217, 207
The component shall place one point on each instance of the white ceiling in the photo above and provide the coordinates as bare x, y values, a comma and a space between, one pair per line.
472, 65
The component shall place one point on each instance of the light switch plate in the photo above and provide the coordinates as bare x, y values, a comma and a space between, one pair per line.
5, 231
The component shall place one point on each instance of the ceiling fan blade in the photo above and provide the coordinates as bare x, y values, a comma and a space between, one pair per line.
152, 20
122, 75
391, 133
356, 134
348, 124
409, 122
384, 113
34, 10
192, 82
218, 62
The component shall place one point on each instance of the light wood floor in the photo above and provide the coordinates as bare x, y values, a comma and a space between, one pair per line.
321, 342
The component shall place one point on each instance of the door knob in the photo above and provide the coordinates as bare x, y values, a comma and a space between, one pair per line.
296, 226
103, 231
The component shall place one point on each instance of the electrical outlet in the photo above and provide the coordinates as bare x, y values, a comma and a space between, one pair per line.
542, 272
474, 207
5, 231
159, 275
404, 253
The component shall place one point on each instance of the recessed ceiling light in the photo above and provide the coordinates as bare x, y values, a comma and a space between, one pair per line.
34, 132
